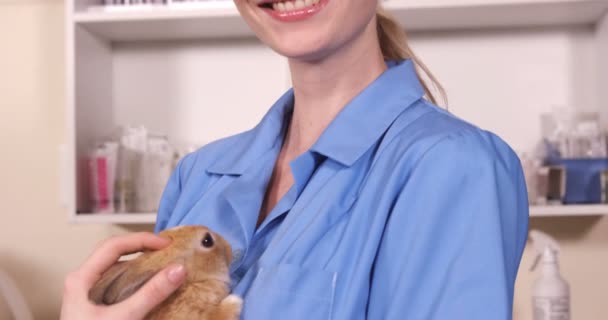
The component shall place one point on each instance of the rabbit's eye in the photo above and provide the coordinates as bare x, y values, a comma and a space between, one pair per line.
207, 241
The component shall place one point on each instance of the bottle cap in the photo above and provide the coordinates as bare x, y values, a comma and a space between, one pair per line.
545, 246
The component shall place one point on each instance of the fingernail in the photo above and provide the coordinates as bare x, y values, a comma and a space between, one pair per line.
176, 274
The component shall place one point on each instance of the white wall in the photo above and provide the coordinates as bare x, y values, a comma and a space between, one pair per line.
191, 87
512, 76
37, 246
498, 78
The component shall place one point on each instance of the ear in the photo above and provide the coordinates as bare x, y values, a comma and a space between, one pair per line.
97, 293
120, 282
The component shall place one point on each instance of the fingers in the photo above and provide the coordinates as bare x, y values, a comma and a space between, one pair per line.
74, 290
110, 250
155, 291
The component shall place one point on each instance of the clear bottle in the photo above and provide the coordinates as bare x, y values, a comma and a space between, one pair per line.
590, 142
551, 293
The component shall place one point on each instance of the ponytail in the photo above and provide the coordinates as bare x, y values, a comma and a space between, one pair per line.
394, 45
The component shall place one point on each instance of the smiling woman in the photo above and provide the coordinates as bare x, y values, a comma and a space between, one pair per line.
355, 197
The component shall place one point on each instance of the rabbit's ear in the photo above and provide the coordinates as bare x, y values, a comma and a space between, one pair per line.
97, 293
119, 282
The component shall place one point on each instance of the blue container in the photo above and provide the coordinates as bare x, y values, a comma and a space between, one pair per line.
583, 179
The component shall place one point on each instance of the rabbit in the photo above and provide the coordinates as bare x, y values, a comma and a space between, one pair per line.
205, 292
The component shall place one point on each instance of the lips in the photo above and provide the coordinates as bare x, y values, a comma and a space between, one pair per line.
293, 10
291, 5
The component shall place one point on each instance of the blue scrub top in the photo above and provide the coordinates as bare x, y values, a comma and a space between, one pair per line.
399, 211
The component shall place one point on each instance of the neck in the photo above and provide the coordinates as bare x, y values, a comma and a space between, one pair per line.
322, 88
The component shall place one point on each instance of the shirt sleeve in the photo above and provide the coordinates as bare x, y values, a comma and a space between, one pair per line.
455, 236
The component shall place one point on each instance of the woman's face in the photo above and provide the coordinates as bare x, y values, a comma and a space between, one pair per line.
307, 29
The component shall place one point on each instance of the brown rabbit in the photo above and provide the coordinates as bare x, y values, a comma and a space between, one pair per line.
205, 293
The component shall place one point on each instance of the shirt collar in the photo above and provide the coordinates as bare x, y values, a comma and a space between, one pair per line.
354, 130
369, 115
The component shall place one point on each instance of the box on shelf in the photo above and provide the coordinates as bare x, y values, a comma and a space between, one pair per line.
118, 5
583, 179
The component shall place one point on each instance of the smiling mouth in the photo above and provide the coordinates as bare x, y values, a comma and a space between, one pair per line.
290, 5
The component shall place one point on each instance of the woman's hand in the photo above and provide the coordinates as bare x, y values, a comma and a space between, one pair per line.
76, 304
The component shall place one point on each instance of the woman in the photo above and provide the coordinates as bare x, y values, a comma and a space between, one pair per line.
355, 197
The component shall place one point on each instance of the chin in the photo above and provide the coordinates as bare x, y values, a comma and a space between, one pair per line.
306, 33
303, 46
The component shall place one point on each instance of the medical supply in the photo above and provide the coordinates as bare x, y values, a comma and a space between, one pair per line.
546, 184
555, 184
534, 179
551, 293
102, 172
569, 135
604, 180
133, 144
587, 140
129, 4
583, 179
575, 142
110, 5
128, 172
555, 129
154, 172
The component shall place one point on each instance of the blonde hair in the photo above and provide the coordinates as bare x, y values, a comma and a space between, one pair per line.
394, 45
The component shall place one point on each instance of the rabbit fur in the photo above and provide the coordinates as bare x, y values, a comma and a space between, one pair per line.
205, 293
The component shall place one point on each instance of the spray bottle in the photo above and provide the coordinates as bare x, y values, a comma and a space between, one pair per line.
551, 293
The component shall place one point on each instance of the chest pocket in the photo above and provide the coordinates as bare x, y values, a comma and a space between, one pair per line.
290, 292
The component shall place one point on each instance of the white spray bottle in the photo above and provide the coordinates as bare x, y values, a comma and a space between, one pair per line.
551, 293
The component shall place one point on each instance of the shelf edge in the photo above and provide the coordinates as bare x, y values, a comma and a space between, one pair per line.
113, 218
569, 210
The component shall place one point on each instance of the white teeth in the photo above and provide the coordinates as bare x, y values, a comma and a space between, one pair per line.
291, 5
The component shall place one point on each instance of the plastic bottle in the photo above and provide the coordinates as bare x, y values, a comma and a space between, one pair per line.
551, 293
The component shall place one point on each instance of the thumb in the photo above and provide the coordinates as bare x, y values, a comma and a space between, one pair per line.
155, 291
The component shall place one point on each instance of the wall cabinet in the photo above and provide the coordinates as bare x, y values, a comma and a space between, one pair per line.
198, 74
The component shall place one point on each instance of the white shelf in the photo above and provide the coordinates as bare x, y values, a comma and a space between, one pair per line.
451, 14
568, 210
164, 23
535, 211
115, 218
223, 20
